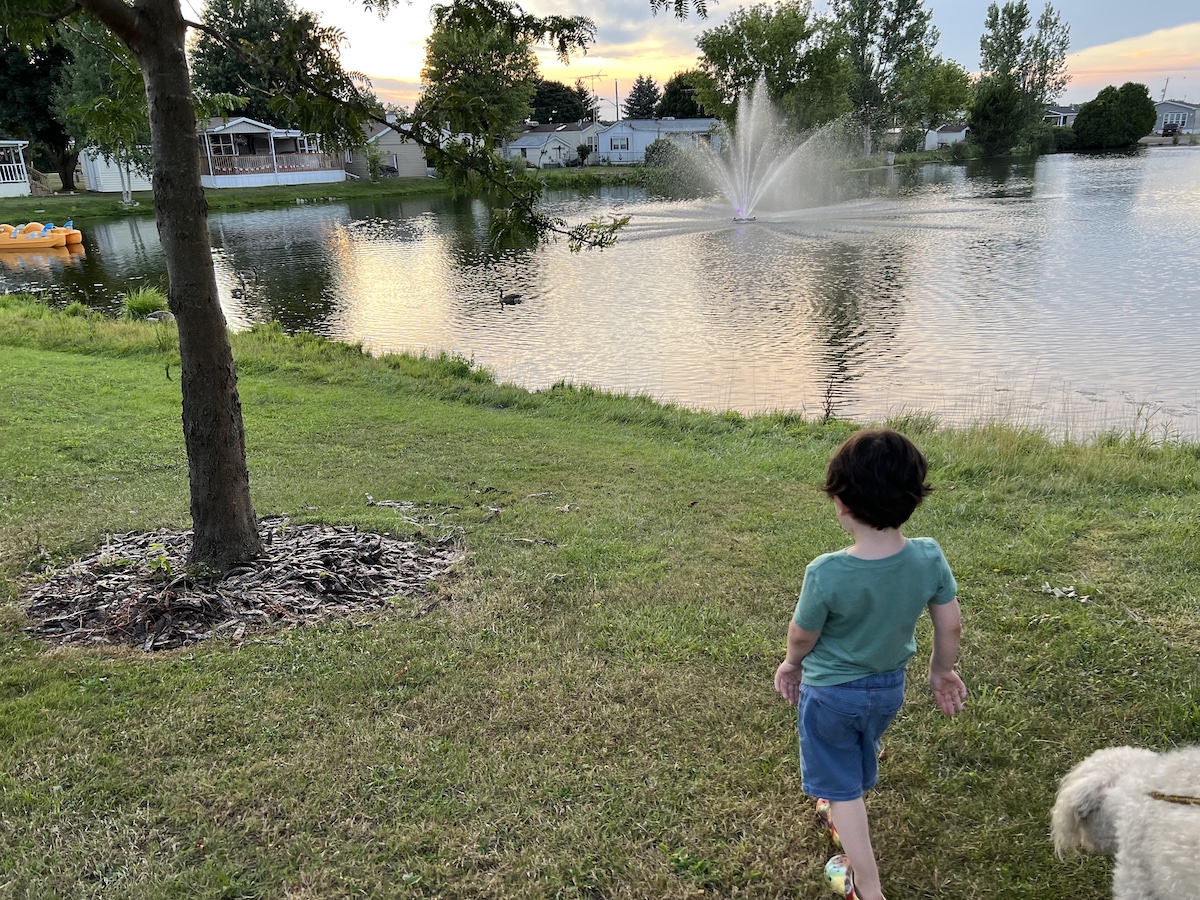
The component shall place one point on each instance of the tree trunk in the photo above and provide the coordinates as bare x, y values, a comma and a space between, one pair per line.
225, 530
66, 169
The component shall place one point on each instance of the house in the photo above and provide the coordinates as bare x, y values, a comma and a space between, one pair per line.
1061, 116
243, 152
553, 144
14, 176
1176, 112
399, 156
625, 142
940, 138
107, 176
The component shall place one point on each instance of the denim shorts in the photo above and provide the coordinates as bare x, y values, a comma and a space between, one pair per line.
840, 731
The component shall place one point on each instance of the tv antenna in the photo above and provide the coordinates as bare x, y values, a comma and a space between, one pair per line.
595, 102
1164, 93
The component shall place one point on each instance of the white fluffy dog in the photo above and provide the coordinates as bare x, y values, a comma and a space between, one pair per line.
1141, 807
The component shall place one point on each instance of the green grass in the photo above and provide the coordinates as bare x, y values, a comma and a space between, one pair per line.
82, 205
587, 712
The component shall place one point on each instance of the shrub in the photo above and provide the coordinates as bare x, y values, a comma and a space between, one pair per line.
141, 302
77, 310
661, 154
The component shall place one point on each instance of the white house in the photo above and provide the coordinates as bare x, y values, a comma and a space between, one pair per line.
553, 144
1062, 116
940, 138
1178, 113
108, 176
399, 156
625, 142
14, 176
243, 152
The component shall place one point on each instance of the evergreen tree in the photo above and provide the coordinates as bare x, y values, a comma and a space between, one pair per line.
642, 99
996, 115
679, 98
553, 101
1118, 117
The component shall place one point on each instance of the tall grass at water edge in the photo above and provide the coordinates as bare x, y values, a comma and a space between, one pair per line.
585, 710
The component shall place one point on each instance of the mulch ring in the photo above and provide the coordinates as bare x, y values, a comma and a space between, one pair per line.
133, 591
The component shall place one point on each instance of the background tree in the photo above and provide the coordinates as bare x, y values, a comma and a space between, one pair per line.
1029, 62
996, 115
249, 23
1118, 117
679, 98
587, 99
882, 39
480, 76
932, 91
24, 112
553, 101
795, 53
642, 100
102, 99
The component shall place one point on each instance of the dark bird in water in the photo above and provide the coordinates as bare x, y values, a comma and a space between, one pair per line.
510, 299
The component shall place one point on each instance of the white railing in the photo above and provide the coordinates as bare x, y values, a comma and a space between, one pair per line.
13, 173
283, 162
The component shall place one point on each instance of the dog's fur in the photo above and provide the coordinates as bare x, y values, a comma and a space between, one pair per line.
1105, 805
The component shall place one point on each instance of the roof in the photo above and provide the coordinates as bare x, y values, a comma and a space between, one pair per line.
1062, 110
245, 125
557, 128
1182, 103
532, 139
667, 125
17, 144
956, 128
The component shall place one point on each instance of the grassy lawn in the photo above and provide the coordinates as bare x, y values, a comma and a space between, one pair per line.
587, 711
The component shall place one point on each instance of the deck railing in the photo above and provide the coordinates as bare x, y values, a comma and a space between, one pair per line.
12, 173
283, 162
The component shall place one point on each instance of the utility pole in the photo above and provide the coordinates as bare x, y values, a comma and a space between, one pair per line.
617, 99
1164, 93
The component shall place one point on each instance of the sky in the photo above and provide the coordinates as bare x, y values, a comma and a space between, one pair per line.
1153, 42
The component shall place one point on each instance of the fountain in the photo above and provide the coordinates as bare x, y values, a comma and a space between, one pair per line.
760, 151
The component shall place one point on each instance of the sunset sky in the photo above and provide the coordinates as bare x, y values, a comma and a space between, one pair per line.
1112, 42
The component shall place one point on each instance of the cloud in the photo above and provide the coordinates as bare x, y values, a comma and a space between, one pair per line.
1150, 59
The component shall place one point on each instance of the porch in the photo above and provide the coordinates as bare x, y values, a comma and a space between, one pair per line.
14, 176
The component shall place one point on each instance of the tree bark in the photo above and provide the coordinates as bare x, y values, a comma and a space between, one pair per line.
66, 169
225, 530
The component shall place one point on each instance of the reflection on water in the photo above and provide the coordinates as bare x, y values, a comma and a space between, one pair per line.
1062, 293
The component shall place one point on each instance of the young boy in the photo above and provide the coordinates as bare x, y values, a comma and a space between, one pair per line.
853, 633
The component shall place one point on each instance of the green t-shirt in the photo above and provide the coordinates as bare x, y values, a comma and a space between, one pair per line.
867, 609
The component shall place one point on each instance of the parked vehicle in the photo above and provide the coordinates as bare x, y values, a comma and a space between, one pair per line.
1170, 129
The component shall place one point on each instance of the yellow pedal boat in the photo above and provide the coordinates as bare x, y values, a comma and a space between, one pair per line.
36, 236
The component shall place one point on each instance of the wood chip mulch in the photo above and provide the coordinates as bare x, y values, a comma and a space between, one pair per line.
133, 591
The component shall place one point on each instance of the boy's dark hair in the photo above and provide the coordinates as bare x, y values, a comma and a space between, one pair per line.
880, 475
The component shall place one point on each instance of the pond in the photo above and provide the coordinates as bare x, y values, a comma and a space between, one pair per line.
1062, 293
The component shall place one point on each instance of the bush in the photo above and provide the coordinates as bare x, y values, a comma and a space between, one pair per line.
661, 154
912, 139
141, 302
77, 310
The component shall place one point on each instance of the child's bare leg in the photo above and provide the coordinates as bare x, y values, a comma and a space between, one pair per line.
850, 817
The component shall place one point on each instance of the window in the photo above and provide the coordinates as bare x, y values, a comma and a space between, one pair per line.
619, 143
1176, 117
222, 145
593, 142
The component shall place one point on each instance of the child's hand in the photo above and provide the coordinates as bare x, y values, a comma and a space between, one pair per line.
948, 691
787, 681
